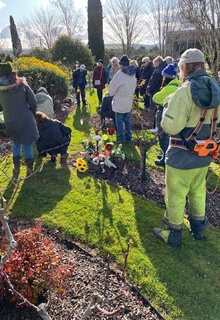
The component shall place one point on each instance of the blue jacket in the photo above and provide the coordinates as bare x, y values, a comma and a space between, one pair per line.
76, 78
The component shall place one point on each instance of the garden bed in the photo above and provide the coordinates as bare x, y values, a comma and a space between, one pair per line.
89, 271
128, 176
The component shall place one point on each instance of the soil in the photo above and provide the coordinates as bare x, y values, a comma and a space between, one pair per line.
128, 177
89, 271
139, 120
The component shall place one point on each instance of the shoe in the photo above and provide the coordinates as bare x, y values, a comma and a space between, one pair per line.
160, 162
63, 159
53, 158
29, 164
118, 142
159, 157
155, 130
17, 163
198, 228
85, 103
174, 237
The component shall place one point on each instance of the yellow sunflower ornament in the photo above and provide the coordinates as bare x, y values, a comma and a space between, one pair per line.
81, 165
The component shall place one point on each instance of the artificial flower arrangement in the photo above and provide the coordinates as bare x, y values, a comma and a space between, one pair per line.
102, 152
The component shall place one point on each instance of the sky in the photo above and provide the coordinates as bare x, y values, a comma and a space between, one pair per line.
22, 8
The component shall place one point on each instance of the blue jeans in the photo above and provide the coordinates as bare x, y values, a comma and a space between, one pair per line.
125, 118
28, 150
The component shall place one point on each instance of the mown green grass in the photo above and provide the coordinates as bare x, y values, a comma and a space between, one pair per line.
181, 283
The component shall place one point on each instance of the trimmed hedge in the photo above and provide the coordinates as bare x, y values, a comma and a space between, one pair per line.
43, 74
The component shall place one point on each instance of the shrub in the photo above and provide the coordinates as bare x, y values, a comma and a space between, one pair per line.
40, 73
34, 266
42, 54
70, 51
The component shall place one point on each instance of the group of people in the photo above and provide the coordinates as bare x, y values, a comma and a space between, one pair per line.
188, 112
29, 118
186, 101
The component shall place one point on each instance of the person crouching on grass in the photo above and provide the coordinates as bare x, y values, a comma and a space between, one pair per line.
54, 137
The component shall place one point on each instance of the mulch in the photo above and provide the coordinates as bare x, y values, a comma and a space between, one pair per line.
128, 177
89, 271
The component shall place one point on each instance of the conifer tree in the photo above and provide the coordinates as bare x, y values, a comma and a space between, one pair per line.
95, 28
16, 42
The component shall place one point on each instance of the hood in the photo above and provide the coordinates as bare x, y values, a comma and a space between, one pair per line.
44, 125
204, 89
129, 70
41, 97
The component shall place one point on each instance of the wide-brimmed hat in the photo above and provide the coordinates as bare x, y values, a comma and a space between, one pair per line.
6, 69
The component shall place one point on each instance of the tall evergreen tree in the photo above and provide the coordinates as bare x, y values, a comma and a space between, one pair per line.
95, 28
16, 42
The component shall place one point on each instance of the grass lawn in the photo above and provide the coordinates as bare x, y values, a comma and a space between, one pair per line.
181, 283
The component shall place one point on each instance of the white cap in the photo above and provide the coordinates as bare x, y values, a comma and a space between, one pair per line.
82, 67
192, 56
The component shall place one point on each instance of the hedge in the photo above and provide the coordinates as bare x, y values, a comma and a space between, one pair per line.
40, 73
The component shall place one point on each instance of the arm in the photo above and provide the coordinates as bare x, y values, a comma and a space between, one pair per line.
154, 80
114, 85
176, 112
160, 96
66, 130
31, 99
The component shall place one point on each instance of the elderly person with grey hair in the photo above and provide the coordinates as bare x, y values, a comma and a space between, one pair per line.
145, 74
115, 67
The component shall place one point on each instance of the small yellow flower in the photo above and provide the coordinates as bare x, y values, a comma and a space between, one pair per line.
81, 165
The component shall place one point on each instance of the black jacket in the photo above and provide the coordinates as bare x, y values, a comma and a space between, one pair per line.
107, 104
52, 134
156, 80
76, 75
146, 72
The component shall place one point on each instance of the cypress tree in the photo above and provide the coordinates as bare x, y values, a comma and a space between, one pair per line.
95, 28
16, 42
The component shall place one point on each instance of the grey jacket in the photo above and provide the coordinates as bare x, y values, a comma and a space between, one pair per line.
18, 103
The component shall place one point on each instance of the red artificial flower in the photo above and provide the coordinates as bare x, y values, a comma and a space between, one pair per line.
111, 131
109, 146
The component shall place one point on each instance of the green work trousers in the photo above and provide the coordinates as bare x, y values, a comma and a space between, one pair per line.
182, 184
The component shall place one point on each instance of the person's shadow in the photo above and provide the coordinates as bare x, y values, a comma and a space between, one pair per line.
41, 192
81, 118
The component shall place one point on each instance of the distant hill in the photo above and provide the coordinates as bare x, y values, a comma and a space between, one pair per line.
113, 46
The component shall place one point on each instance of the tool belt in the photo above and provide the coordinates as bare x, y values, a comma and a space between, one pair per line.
200, 147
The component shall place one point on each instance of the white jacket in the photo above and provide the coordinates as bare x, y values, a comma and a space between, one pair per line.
122, 88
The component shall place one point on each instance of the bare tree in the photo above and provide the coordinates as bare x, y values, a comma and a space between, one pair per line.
163, 20
204, 17
69, 17
41, 28
126, 22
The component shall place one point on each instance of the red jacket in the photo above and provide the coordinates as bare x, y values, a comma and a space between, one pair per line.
99, 74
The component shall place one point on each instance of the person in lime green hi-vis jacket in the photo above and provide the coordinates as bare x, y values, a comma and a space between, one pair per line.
169, 85
191, 114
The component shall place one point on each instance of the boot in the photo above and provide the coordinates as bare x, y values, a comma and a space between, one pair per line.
29, 164
198, 228
63, 159
53, 158
17, 163
174, 237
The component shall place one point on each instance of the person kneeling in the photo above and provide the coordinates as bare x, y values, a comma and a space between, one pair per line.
54, 137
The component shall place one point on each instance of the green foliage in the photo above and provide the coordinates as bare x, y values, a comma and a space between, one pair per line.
70, 51
40, 73
95, 28
34, 266
6, 56
42, 54
16, 42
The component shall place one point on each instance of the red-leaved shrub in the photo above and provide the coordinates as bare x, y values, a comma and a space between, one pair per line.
34, 266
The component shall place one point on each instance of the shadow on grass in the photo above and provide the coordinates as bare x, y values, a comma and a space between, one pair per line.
82, 113
184, 275
40, 193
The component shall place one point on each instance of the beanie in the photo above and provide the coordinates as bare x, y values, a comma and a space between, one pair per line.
192, 56
170, 71
124, 61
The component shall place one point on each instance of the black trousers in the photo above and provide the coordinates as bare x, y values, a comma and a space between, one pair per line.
99, 94
83, 95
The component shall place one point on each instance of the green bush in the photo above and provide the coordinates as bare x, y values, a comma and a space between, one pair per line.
42, 54
43, 74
